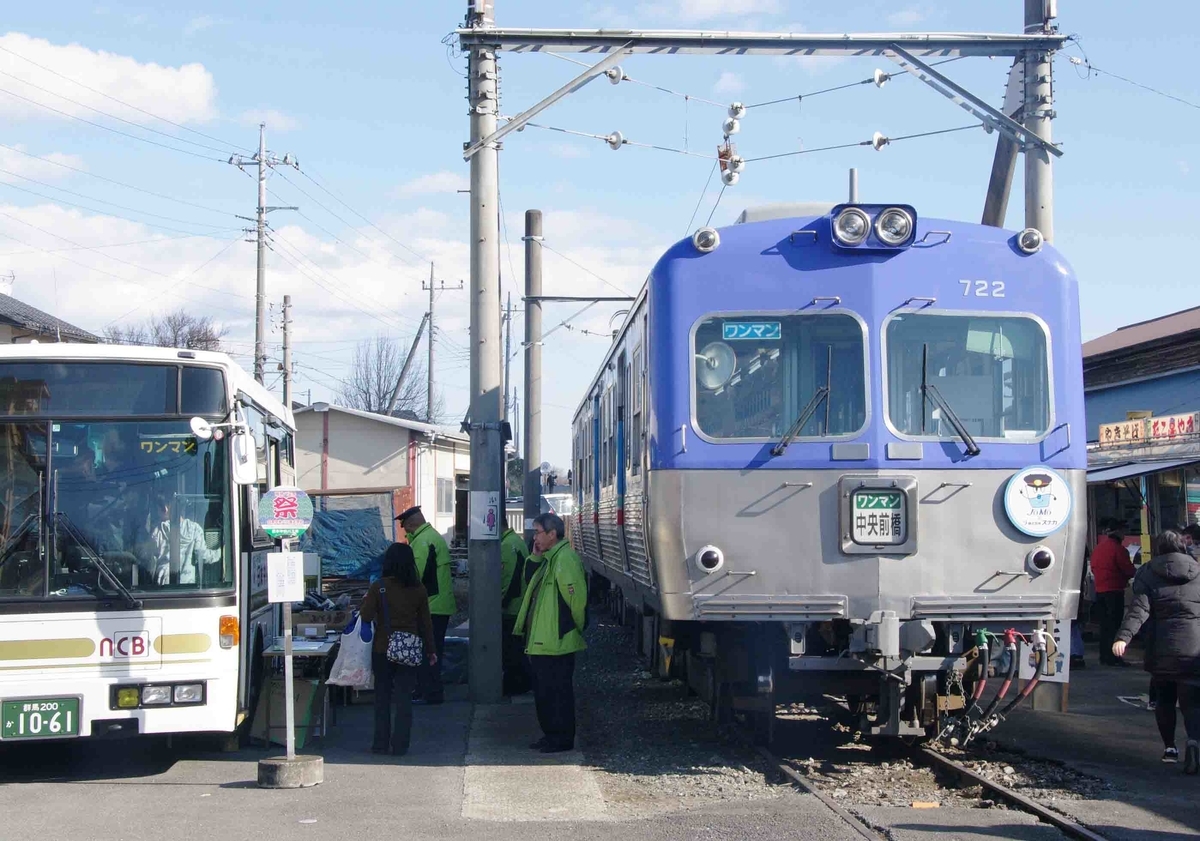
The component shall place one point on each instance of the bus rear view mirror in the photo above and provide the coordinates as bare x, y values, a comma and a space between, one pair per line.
245, 468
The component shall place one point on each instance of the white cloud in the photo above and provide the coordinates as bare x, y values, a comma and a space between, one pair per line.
443, 181
183, 94
199, 24
709, 9
1184, 168
906, 17
275, 120
730, 83
41, 168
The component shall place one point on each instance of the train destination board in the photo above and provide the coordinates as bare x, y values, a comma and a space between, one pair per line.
879, 518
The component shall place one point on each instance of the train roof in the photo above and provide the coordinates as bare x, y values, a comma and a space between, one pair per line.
238, 377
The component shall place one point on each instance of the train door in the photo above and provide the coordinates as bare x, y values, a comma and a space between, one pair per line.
621, 455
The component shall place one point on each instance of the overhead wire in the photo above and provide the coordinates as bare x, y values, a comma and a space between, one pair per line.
625, 78
579, 265
800, 97
336, 197
224, 248
1091, 68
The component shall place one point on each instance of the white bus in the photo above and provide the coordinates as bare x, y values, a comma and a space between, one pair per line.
133, 591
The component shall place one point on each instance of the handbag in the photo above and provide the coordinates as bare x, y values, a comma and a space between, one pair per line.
403, 648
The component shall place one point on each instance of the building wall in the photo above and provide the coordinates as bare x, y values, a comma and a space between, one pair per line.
362, 452
1173, 394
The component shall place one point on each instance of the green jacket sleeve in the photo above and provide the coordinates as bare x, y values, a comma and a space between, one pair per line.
572, 593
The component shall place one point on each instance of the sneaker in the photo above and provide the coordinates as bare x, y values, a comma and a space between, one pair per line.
1191, 762
1152, 705
1170, 755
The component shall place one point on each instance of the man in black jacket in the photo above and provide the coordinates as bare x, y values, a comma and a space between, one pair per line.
1168, 592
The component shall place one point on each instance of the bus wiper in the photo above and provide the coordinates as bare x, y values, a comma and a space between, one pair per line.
92, 556
930, 391
822, 393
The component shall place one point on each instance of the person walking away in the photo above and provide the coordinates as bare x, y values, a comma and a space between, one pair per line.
552, 619
433, 568
516, 570
1169, 593
1112, 570
396, 602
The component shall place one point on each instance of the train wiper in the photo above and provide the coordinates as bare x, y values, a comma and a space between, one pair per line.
821, 394
97, 561
930, 391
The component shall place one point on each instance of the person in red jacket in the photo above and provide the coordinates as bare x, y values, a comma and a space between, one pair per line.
1112, 569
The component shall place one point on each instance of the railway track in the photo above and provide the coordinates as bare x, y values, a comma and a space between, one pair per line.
946, 768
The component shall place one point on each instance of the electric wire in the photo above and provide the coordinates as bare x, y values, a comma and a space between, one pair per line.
582, 267
625, 78
800, 97
122, 102
703, 193
113, 181
1091, 68
224, 248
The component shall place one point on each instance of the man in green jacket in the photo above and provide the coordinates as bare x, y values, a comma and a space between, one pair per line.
552, 619
516, 570
433, 567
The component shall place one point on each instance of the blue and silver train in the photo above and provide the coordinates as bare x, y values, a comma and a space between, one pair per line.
830, 451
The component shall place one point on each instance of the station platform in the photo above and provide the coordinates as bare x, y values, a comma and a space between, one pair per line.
1109, 733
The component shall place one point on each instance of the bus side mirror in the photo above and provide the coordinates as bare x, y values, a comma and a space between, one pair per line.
245, 468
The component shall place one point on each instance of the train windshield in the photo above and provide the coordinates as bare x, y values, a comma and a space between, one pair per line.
993, 372
755, 375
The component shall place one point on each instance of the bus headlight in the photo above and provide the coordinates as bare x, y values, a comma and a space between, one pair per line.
894, 226
155, 695
851, 226
189, 693
128, 698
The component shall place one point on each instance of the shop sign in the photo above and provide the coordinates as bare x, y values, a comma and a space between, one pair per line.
1172, 426
1122, 434
1149, 430
1037, 501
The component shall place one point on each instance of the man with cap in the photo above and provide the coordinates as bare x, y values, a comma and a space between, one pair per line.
516, 569
433, 567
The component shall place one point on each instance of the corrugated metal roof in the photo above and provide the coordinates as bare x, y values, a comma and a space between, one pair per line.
1144, 332
22, 315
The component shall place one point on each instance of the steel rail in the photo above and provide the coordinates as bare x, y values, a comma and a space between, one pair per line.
1064, 824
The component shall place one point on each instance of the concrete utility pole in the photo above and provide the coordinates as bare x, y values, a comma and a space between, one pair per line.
412, 352
507, 353
287, 351
487, 451
1039, 111
532, 489
263, 161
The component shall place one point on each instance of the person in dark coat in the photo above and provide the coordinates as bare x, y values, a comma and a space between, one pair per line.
398, 602
1167, 592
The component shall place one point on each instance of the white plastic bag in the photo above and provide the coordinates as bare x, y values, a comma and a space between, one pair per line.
353, 665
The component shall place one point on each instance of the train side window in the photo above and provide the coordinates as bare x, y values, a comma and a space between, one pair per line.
635, 442
993, 371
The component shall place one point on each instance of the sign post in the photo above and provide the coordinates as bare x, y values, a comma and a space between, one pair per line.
286, 513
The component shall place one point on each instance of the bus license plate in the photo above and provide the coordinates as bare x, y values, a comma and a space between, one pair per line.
879, 518
42, 718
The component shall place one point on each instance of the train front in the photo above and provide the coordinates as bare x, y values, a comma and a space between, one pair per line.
868, 462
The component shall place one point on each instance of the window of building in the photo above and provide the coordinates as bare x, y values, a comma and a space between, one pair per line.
445, 496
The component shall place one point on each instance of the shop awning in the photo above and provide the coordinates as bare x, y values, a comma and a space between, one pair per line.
1138, 468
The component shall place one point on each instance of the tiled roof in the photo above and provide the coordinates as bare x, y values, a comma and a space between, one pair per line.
29, 318
1145, 332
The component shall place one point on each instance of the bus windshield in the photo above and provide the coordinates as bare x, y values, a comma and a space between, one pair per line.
144, 501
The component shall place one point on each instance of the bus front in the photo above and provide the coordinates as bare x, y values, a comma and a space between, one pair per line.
118, 572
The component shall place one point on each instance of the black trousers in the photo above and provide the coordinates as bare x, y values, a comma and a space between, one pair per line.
554, 696
1112, 610
517, 679
1166, 694
429, 678
393, 688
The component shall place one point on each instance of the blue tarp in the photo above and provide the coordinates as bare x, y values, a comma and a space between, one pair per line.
351, 543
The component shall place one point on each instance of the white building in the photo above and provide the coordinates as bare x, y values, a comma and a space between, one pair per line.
351, 452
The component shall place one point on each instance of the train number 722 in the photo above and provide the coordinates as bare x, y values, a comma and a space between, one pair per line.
983, 288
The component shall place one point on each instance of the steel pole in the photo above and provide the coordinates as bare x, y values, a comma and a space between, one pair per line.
487, 451
289, 703
260, 290
1039, 103
532, 490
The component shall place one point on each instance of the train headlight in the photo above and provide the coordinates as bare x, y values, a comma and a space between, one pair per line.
851, 226
894, 226
706, 240
1039, 560
710, 559
1030, 240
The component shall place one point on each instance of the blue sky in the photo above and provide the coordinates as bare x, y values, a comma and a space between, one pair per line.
371, 102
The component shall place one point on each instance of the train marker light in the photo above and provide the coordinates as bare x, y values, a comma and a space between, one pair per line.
894, 226
851, 226
1039, 560
706, 240
1030, 240
710, 559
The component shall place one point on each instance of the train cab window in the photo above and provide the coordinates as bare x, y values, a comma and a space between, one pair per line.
992, 371
755, 375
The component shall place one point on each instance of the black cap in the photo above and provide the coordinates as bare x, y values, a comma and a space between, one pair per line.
408, 512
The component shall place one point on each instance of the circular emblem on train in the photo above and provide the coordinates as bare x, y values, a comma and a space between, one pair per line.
1037, 501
